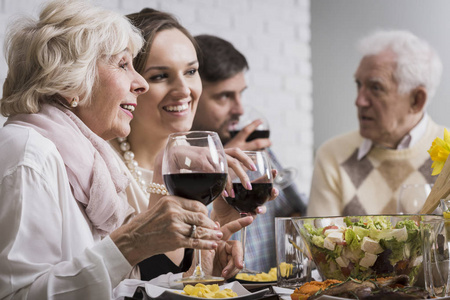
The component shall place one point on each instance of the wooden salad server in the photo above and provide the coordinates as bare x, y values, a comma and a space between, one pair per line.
440, 190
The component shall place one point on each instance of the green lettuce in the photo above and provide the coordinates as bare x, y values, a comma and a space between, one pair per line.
352, 240
396, 247
379, 223
312, 230
350, 223
361, 232
317, 240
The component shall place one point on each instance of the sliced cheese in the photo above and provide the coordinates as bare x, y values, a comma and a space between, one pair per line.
371, 246
368, 260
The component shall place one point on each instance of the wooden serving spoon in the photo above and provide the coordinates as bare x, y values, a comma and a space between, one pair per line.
440, 190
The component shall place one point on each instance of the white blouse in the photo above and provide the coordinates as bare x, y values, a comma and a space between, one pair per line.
48, 249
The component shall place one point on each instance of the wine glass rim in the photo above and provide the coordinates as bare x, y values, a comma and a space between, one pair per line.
187, 133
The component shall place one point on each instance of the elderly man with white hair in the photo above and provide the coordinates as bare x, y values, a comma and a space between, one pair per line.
361, 172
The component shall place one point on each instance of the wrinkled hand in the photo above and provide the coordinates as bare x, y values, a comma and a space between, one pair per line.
166, 227
239, 141
227, 259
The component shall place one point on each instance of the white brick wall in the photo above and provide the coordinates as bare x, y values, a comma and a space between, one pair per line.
274, 35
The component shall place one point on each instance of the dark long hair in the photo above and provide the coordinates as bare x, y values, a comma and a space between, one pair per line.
151, 21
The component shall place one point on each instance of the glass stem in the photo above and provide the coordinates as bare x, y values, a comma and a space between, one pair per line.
243, 238
198, 272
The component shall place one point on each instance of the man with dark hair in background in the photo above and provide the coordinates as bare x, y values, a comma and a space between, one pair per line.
222, 70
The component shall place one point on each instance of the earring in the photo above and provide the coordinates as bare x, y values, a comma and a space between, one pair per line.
74, 102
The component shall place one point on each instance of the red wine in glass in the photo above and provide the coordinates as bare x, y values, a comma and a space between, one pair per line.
203, 187
246, 201
257, 134
195, 167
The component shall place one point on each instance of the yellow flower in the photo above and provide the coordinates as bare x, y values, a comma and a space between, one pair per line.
439, 151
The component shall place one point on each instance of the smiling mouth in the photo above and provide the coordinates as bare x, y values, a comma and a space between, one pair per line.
128, 107
177, 108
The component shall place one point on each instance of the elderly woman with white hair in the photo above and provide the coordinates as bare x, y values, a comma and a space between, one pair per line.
361, 172
70, 86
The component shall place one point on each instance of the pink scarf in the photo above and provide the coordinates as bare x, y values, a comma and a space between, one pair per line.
92, 171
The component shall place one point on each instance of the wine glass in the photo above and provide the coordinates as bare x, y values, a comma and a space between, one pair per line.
412, 197
285, 176
195, 167
246, 201
251, 114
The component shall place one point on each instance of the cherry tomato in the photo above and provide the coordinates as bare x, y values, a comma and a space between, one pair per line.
329, 227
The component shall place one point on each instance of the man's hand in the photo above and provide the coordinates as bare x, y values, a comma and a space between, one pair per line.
239, 141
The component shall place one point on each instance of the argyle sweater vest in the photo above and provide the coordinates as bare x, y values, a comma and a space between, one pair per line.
344, 185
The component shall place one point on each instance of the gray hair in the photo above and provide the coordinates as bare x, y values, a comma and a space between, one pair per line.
417, 63
56, 56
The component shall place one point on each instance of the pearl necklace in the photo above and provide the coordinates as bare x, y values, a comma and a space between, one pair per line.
132, 165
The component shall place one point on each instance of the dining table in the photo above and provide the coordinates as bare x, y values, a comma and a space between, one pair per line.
137, 289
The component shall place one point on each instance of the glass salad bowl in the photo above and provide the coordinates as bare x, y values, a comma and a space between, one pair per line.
364, 247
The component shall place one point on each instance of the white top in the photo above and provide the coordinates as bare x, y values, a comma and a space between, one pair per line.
48, 248
137, 198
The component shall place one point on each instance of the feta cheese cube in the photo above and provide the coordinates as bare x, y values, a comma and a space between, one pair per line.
400, 234
353, 256
327, 243
328, 231
342, 261
368, 260
336, 237
333, 237
371, 246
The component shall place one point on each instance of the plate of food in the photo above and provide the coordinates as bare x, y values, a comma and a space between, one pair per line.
396, 287
233, 290
253, 281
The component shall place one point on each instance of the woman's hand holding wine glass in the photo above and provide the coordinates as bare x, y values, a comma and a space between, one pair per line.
247, 200
195, 167
237, 161
200, 159
236, 158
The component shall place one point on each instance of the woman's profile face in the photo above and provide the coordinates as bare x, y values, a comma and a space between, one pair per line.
174, 86
114, 97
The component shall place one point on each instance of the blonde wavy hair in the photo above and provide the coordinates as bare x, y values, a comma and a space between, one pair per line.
56, 56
